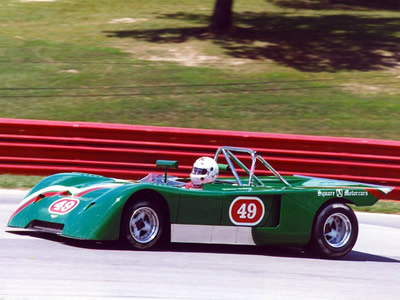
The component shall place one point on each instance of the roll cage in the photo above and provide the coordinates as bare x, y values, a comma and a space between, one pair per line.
231, 158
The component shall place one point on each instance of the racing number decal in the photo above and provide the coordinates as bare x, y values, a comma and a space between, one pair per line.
246, 211
63, 206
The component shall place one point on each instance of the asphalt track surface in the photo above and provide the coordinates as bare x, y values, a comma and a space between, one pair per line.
44, 266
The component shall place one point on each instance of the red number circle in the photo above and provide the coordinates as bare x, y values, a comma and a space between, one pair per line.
246, 211
63, 206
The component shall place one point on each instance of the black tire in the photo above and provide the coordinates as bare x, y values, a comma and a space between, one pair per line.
142, 225
335, 231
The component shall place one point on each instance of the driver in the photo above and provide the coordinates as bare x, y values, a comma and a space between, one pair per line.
205, 170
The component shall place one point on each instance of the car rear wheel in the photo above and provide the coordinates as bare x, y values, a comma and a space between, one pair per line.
335, 231
142, 225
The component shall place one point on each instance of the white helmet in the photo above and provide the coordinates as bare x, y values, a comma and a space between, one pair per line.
205, 170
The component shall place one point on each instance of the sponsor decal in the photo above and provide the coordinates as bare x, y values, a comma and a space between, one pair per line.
63, 206
343, 193
247, 211
326, 193
348, 193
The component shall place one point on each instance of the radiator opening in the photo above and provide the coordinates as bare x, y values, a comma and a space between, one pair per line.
46, 226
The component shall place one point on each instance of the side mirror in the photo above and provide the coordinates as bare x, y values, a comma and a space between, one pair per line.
165, 164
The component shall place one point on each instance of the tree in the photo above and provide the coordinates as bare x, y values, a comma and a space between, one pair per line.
221, 20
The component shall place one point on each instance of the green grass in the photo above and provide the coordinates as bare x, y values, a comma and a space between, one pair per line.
386, 207
8, 181
321, 68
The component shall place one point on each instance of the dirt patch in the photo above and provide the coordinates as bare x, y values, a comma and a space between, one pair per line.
71, 71
387, 84
389, 88
25, 1
126, 20
187, 55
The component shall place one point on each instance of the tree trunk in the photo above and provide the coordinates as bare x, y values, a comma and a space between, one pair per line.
221, 20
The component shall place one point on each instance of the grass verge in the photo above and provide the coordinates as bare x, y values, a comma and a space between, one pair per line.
383, 206
305, 67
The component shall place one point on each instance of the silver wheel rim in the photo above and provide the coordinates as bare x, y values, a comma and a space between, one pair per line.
337, 230
144, 225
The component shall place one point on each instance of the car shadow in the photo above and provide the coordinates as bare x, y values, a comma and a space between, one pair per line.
292, 252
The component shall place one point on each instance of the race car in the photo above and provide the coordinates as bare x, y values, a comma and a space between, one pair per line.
247, 202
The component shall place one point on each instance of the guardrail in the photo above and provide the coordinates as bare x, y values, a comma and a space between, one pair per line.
34, 147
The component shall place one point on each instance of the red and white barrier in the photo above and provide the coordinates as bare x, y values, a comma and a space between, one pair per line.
35, 147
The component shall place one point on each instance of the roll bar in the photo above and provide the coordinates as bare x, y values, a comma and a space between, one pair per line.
230, 156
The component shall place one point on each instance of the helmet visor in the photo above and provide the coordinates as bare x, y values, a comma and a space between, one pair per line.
199, 171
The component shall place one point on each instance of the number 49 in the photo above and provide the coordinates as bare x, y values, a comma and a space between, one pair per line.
247, 211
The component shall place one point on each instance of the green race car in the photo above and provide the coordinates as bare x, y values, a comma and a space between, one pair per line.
248, 203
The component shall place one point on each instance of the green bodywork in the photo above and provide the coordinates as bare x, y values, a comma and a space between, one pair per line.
288, 219
85, 206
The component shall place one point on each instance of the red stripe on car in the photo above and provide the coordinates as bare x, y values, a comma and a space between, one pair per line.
376, 193
38, 198
90, 190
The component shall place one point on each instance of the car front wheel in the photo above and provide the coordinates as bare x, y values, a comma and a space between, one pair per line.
335, 231
142, 225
